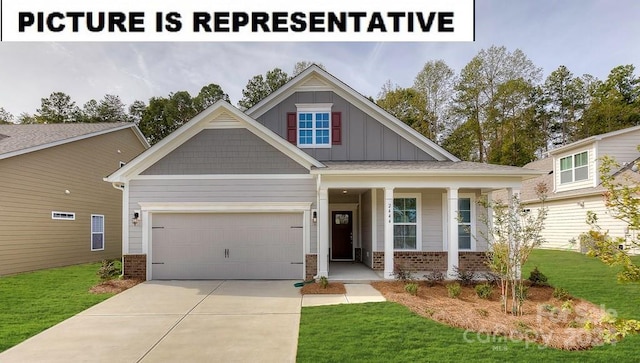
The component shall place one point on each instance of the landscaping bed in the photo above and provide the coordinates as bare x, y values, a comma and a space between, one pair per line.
317, 288
569, 324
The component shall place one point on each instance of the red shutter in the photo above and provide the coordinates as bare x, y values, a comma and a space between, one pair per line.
336, 128
292, 130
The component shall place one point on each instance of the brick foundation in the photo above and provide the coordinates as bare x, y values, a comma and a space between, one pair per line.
472, 261
378, 261
431, 261
135, 266
421, 261
311, 266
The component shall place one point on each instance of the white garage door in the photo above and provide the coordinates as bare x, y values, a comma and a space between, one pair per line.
227, 246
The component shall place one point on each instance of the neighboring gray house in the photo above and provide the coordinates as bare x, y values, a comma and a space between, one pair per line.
313, 173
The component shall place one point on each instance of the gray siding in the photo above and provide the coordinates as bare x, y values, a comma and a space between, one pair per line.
225, 151
363, 137
210, 190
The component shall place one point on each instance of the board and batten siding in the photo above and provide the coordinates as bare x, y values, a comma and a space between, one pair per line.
34, 185
363, 137
589, 182
225, 151
566, 220
218, 191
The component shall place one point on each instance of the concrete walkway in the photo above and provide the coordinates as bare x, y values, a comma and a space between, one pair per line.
190, 321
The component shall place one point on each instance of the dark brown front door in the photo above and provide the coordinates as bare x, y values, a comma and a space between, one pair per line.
342, 235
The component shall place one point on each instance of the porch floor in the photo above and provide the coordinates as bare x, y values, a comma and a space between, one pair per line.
352, 272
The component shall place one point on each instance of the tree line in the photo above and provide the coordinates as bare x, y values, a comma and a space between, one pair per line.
497, 108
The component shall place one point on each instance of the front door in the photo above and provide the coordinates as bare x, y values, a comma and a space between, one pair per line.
342, 235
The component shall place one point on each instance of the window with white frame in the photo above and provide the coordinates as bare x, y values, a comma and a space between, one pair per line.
406, 222
574, 167
465, 223
97, 232
314, 126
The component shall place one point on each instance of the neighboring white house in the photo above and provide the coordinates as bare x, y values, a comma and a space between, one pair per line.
573, 180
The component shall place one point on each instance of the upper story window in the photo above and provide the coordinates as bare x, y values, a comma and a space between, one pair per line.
574, 168
314, 129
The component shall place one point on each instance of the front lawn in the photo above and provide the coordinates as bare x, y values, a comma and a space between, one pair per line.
389, 332
34, 301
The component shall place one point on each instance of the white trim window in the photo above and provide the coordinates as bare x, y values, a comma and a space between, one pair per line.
407, 222
97, 232
574, 167
314, 126
65, 216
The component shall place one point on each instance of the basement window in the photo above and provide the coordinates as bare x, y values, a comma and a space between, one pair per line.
66, 216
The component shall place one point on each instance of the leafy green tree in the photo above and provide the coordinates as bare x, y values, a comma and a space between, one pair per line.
622, 199
26, 119
408, 106
435, 84
302, 65
164, 115
476, 89
259, 87
566, 98
614, 104
209, 95
58, 108
5, 116
512, 117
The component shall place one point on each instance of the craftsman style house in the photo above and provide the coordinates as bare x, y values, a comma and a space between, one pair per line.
314, 173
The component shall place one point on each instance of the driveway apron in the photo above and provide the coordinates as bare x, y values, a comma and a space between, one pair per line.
169, 321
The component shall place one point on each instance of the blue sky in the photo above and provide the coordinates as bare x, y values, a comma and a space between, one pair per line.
587, 36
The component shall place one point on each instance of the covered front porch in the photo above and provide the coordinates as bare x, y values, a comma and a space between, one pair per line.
382, 221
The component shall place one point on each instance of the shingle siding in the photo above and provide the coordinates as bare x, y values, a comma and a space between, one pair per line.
225, 151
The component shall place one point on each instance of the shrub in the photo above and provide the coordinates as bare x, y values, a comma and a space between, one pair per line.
537, 278
454, 290
323, 281
411, 288
109, 269
465, 277
434, 277
484, 291
561, 294
492, 278
567, 306
401, 273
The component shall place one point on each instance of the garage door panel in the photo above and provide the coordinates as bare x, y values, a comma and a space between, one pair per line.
227, 246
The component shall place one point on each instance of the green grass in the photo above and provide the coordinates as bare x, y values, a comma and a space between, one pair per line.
34, 301
389, 332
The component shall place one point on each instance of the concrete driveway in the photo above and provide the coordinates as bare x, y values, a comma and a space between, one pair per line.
172, 321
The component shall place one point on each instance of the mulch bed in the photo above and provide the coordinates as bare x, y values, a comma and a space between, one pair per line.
316, 288
544, 320
114, 286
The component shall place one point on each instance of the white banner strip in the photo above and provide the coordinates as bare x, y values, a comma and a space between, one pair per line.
237, 21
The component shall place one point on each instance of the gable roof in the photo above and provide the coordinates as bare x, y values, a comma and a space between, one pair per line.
591, 139
21, 139
219, 115
315, 78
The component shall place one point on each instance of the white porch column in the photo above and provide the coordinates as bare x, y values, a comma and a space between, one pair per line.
388, 233
323, 233
452, 223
